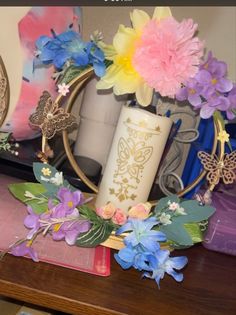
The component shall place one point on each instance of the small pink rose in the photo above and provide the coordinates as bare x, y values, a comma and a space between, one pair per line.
140, 211
119, 217
107, 211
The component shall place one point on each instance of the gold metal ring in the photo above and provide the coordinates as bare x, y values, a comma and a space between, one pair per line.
76, 87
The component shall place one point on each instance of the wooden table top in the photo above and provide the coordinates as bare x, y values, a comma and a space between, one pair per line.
209, 287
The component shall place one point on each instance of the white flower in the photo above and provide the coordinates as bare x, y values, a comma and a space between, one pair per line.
180, 211
63, 89
173, 205
44, 179
165, 219
57, 179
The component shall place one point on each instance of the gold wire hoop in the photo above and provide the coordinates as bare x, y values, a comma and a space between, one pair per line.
76, 87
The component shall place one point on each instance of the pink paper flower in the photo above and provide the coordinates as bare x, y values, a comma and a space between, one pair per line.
140, 211
107, 211
168, 54
119, 217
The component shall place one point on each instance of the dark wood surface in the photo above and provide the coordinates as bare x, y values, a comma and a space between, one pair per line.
209, 287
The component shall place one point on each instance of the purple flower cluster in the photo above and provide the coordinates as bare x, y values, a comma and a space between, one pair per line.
210, 90
62, 220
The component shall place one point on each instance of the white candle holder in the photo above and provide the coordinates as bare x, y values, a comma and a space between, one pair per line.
99, 115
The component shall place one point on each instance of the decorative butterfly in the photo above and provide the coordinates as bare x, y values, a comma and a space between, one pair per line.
132, 157
49, 117
217, 169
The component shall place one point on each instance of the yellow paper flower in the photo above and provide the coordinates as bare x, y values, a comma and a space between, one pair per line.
121, 75
46, 171
223, 136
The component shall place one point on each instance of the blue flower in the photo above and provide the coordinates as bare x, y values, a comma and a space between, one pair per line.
142, 233
96, 58
69, 46
160, 263
133, 257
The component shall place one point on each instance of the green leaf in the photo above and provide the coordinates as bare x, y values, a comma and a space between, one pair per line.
108, 63
52, 182
71, 73
18, 190
217, 116
90, 215
163, 203
95, 236
194, 231
195, 212
177, 231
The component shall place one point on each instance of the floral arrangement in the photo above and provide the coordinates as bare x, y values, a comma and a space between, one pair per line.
155, 55
55, 207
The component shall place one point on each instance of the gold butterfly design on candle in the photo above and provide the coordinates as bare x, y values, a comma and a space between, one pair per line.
50, 118
132, 157
223, 168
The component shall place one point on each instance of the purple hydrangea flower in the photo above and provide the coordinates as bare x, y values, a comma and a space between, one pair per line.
70, 230
69, 201
232, 101
215, 67
24, 249
215, 102
160, 263
210, 90
32, 222
191, 92
213, 82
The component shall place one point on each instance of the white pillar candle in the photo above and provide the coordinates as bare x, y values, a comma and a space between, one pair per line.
99, 115
136, 151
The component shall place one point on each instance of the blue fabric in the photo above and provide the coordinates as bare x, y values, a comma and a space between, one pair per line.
193, 165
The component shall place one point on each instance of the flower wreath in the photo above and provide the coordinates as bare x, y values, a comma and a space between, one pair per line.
155, 55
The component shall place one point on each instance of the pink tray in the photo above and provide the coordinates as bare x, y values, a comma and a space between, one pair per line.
12, 214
